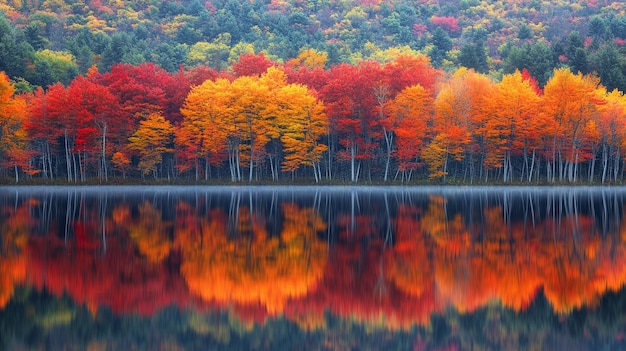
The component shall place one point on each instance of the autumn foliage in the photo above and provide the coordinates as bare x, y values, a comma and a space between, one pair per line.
400, 120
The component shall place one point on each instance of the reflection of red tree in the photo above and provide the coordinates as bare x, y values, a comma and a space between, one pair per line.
565, 257
13, 271
410, 267
356, 285
570, 263
95, 274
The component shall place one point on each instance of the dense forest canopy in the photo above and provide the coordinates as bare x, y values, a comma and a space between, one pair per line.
324, 90
53, 40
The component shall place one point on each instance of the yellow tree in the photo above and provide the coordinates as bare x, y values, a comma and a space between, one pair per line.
150, 233
151, 140
571, 102
206, 132
13, 135
478, 90
303, 121
255, 113
121, 163
435, 155
214, 53
459, 114
309, 58
511, 126
612, 125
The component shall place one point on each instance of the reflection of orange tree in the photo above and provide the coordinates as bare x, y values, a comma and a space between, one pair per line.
150, 233
14, 230
509, 255
510, 262
253, 267
611, 269
494, 267
463, 279
573, 261
450, 235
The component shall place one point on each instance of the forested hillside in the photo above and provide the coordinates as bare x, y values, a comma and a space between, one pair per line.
315, 90
53, 40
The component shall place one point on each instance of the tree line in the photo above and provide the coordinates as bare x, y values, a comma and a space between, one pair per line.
400, 121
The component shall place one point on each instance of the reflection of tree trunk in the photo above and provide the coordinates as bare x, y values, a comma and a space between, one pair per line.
46, 213
389, 231
329, 219
72, 205
251, 207
103, 208
507, 211
233, 213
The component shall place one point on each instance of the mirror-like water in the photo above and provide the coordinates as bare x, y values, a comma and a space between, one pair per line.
337, 268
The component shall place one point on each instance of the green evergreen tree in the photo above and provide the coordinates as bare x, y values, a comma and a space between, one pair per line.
537, 58
524, 32
32, 32
441, 45
580, 62
13, 54
474, 55
119, 46
610, 67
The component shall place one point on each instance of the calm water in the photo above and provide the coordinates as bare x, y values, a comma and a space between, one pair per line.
197, 268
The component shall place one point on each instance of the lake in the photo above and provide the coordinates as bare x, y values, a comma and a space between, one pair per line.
315, 268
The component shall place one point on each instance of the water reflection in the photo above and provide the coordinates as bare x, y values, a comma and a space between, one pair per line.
384, 259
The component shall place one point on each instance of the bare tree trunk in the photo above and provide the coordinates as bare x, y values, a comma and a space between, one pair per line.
532, 165
389, 142
68, 163
605, 162
104, 159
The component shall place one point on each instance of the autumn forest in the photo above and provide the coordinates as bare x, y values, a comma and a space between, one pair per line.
313, 91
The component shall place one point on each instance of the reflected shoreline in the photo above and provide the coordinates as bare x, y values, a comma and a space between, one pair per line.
378, 188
